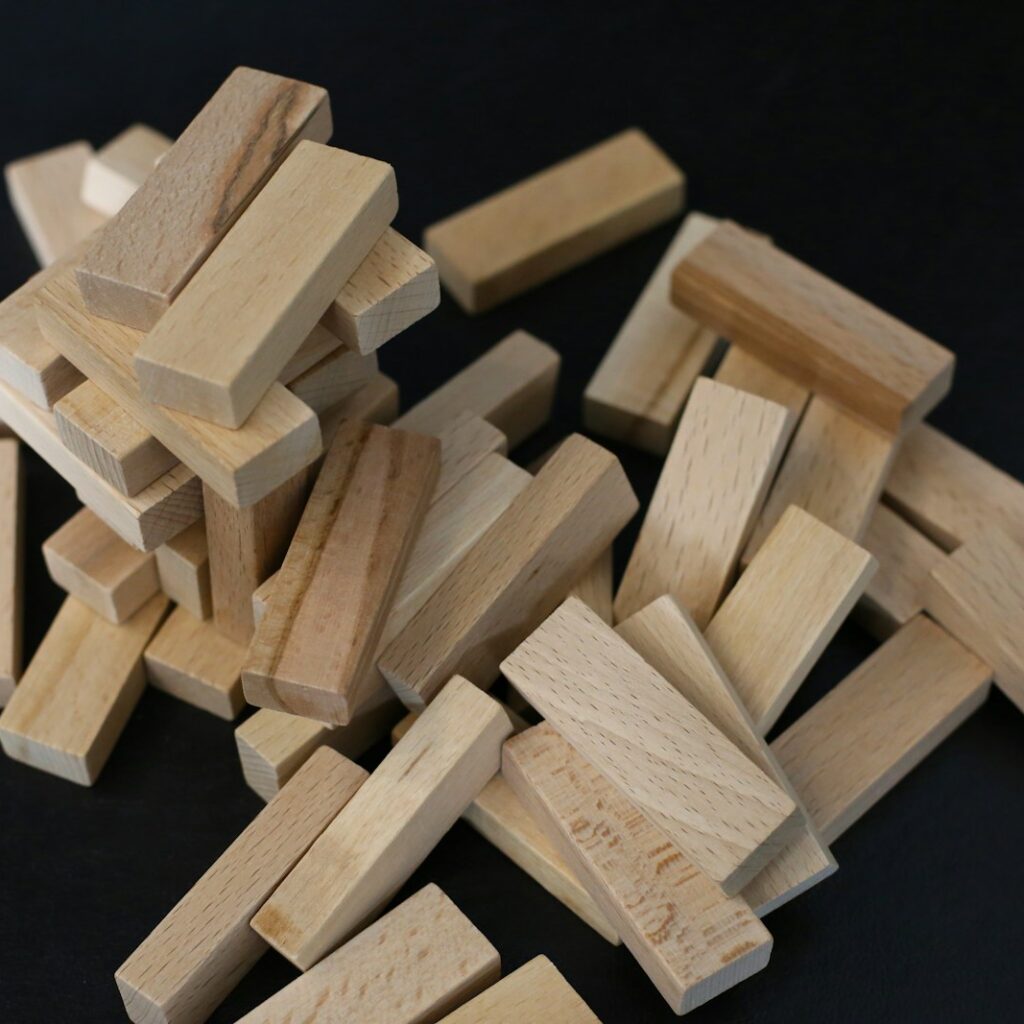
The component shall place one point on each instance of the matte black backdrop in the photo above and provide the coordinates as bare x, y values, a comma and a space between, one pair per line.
883, 147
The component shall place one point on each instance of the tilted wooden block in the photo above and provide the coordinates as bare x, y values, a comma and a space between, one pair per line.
12, 558
710, 491
114, 173
880, 722
183, 567
740, 369
465, 442
336, 377
187, 965
167, 229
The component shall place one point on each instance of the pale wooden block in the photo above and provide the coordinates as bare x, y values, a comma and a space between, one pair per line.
78, 691
740, 369
594, 587
183, 566
465, 442
640, 386
186, 205
91, 562
114, 172
196, 955
554, 220
514, 575
881, 721
12, 559
710, 491
691, 940
784, 610
336, 377
420, 960
409, 802
375, 402
812, 329
667, 638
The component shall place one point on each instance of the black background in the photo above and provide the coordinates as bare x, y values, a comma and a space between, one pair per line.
881, 145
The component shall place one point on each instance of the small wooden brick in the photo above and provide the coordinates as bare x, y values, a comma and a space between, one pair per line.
12, 557
183, 566
375, 402
336, 377
114, 173
740, 369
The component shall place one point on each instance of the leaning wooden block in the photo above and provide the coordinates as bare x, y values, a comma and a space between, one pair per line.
12, 501
880, 722
78, 691
740, 369
710, 491
196, 955
183, 566
162, 235
812, 329
410, 801
114, 173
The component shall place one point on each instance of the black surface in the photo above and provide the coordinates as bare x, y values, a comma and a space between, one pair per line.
883, 146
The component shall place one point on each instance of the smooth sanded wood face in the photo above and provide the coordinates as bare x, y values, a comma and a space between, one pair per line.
691, 940
114, 172
714, 480
739, 369
812, 329
409, 802
867, 733
12, 557
166, 230
203, 947
183, 566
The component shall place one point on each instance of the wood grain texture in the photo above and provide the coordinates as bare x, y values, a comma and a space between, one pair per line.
739, 369
812, 329
412, 798
867, 733
183, 567
717, 473
114, 172
12, 559
197, 954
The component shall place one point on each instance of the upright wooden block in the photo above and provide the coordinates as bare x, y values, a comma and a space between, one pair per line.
811, 329
12, 501
187, 965
710, 491
78, 691
183, 566
413, 797
739, 369
167, 229
880, 722
114, 173
784, 610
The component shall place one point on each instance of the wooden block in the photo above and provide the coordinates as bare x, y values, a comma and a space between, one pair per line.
692, 940
417, 962
333, 379
512, 385
191, 660
784, 610
812, 329
413, 797
195, 956
640, 387
162, 235
375, 402
465, 442
114, 173
514, 575
554, 220
12, 558
667, 638
710, 491
867, 733
740, 369
78, 691
594, 587
183, 566
91, 562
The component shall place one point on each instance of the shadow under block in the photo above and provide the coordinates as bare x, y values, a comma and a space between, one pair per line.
331, 600
691, 940
515, 575
78, 691
197, 954
12, 560
420, 960
183, 567
115, 171
231, 330
741, 370
880, 722
91, 562
665, 636
714, 480
638, 391
812, 329
410, 801
554, 220
162, 235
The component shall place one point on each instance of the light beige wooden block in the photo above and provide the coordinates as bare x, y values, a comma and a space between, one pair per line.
197, 954
91, 562
162, 235
409, 802
183, 567
554, 220
114, 173
12, 558
784, 610
336, 377
880, 722
710, 491
640, 386
78, 691
812, 329
375, 402
739, 369
667, 638
691, 940
514, 575
465, 442
594, 587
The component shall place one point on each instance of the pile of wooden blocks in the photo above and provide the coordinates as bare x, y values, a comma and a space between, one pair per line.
198, 360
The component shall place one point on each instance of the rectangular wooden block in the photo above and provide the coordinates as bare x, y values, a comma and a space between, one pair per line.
187, 965
880, 722
739, 369
554, 220
183, 567
336, 377
375, 402
12, 559
114, 173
